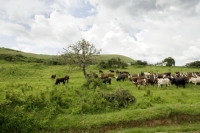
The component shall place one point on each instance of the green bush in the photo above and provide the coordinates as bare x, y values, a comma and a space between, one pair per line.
120, 98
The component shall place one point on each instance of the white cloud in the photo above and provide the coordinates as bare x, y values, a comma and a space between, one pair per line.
148, 30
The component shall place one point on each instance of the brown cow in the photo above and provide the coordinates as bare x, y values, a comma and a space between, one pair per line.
141, 82
103, 76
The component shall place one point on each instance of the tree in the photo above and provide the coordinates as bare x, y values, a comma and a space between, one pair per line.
81, 54
193, 64
170, 61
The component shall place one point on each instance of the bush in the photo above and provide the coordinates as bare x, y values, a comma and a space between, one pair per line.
120, 98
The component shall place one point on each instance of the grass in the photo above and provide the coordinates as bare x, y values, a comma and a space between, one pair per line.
104, 57
14, 52
152, 103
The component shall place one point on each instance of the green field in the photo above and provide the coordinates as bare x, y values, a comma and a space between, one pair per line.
36, 102
104, 57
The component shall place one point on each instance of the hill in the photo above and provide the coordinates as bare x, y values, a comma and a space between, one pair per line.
106, 57
26, 54
8, 51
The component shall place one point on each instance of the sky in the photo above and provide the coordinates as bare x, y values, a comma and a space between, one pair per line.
146, 30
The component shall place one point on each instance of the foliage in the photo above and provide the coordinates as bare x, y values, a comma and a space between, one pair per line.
19, 57
112, 63
80, 54
120, 98
193, 64
170, 61
25, 115
30, 102
139, 62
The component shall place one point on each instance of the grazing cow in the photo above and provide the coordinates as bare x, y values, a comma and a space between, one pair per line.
135, 78
93, 75
167, 74
163, 81
121, 77
126, 74
112, 71
107, 80
58, 80
152, 79
107, 75
117, 71
141, 82
194, 80
103, 76
100, 71
146, 74
179, 81
177, 74
67, 78
53, 76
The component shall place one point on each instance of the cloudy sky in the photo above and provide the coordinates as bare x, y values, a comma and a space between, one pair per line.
147, 30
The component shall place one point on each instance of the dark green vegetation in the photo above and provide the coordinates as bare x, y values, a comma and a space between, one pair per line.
31, 102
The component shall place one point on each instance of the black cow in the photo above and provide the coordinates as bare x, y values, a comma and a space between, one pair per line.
121, 77
179, 81
67, 78
107, 80
112, 71
151, 79
58, 80
53, 76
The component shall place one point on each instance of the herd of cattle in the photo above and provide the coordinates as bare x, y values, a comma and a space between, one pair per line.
144, 78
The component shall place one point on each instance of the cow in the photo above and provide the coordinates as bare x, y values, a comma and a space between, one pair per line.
179, 81
152, 79
100, 71
53, 76
121, 77
163, 81
167, 74
107, 75
141, 82
112, 71
117, 71
135, 78
67, 78
107, 80
93, 75
58, 80
194, 80
126, 74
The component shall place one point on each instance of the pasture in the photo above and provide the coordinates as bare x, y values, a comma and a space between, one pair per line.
83, 110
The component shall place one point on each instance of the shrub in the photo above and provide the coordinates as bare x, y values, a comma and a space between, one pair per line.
120, 98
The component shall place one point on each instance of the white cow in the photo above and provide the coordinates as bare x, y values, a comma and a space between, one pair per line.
163, 81
194, 80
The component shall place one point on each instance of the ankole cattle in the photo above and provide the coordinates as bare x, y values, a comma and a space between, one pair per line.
62, 80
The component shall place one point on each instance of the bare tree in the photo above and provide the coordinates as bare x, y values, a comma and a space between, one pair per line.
81, 54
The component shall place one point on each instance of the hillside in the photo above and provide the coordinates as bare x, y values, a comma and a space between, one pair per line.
45, 56
122, 57
15, 52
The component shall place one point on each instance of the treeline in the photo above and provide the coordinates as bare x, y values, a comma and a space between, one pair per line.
193, 64
112, 63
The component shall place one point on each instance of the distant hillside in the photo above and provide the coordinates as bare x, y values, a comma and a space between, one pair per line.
15, 52
105, 57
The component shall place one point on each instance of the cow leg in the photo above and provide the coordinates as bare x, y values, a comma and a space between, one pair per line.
138, 86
